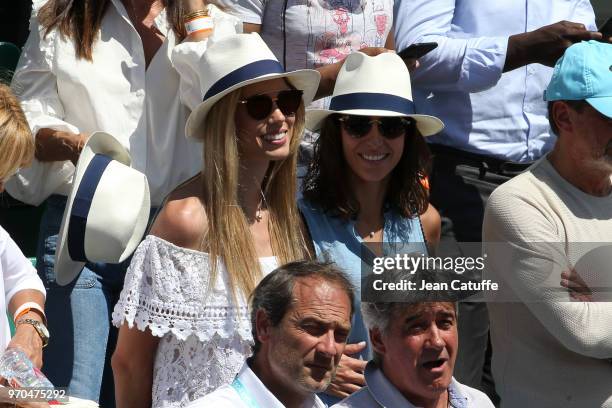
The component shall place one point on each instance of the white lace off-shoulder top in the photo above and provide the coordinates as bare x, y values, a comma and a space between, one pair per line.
205, 335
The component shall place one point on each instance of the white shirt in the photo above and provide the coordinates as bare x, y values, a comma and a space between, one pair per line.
247, 391
549, 351
380, 393
142, 108
461, 82
17, 274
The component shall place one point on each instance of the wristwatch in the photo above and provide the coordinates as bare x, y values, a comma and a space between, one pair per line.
40, 328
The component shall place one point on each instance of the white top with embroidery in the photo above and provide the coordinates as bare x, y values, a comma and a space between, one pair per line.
205, 335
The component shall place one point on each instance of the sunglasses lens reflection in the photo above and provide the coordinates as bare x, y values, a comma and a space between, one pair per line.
261, 106
390, 128
357, 126
289, 101
393, 127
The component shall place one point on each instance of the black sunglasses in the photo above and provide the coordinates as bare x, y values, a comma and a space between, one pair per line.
260, 106
389, 127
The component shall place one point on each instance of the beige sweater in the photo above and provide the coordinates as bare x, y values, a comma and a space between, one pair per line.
548, 351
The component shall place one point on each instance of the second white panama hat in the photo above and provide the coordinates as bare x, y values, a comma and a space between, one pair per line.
107, 210
374, 86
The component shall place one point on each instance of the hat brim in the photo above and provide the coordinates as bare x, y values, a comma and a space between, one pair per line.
427, 125
66, 270
306, 80
603, 105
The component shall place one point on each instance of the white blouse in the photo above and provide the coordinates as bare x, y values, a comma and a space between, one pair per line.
141, 106
16, 274
205, 335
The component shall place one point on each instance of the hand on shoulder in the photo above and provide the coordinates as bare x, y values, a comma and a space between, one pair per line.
182, 220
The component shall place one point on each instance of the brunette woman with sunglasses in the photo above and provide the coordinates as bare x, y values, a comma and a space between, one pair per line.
364, 185
183, 310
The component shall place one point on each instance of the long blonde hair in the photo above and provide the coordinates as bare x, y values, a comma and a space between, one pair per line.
16, 141
227, 237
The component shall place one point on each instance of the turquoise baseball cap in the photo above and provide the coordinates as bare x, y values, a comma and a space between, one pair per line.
584, 72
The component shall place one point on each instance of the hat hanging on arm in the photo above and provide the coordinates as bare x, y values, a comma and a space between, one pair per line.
107, 210
374, 86
235, 61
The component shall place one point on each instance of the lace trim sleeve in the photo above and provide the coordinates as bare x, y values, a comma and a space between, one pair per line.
165, 290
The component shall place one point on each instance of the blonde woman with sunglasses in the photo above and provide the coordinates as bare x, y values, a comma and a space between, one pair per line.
112, 66
185, 327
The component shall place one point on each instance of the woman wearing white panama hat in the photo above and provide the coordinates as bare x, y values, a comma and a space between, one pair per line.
365, 182
113, 66
183, 311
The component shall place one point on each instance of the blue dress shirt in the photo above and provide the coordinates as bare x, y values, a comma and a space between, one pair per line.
461, 82
380, 393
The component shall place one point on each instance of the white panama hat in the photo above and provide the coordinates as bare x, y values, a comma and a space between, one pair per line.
374, 86
107, 210
238, 60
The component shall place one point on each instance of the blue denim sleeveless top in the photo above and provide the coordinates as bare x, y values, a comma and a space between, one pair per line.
337, 240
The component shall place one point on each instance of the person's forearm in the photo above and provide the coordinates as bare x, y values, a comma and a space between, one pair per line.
329, 73
133, 385
390, 43
546, 44
56, 145
518, 54
27, 295
132, 363
27, 337
190, 7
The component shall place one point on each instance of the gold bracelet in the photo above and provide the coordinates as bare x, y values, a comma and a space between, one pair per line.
198, 13
193, 17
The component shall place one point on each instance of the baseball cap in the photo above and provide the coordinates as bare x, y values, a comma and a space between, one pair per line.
584, 72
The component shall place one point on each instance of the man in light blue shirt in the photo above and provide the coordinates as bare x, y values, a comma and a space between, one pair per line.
485, 81
486, 78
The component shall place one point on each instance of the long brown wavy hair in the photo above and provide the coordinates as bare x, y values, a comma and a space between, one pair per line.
327, 182
228, 238
80, 21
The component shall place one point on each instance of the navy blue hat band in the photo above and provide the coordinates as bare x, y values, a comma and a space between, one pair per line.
249, 71
81, 205
372, 101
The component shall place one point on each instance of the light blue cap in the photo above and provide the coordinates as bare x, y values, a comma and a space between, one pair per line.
584, 73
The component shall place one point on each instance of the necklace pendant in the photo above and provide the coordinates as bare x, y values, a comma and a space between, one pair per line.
258, 217
371, 234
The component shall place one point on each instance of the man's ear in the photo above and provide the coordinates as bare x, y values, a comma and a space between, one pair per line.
561, 116
263, 326
377, 341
